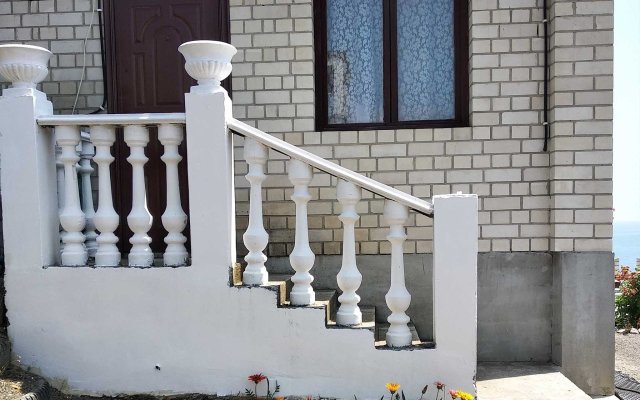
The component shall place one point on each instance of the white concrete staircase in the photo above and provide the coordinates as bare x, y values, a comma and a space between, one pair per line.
327, 299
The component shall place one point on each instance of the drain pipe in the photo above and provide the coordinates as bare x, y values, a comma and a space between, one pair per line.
103, 55
545, 123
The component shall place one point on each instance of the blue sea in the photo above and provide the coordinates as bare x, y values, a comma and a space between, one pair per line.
626, 242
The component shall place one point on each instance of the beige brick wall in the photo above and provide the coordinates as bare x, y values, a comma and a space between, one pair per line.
60, 26
500, 157
581, 147
530, 200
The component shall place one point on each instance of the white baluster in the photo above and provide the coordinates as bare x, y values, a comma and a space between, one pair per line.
349, 278
71, 217
301, 258
86, 196
255, 238
60, 186
106, 218
398, 298
174, 218
139, 219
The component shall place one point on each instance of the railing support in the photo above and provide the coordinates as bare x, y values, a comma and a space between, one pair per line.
455, 278
301, 258
210, 148
72, 218
106, 218
86, 196
349, 278
398, 297
139, 219
27, 160
255, 238
174, 218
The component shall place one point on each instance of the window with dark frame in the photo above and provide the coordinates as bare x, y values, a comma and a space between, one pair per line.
384, 64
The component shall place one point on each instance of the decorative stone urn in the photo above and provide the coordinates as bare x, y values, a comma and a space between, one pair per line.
24, 66
208, 62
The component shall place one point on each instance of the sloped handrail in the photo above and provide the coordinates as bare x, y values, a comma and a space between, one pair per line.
419, 205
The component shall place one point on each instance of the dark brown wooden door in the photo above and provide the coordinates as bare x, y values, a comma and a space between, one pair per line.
146, 74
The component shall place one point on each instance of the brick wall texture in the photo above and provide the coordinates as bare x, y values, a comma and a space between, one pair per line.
62, 27
530, 200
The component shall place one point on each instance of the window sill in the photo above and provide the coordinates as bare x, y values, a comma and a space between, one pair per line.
449, 123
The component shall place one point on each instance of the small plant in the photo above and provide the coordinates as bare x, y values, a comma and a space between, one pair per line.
628, 302
393, 388
396, 394
440, 386
256, 379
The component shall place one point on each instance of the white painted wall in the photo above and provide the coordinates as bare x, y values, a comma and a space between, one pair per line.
104, 331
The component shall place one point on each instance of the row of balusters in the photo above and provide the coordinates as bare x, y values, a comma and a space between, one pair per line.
302, 257
79, 221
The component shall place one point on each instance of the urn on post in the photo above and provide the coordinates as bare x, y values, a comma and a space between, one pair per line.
208, 62
24, 66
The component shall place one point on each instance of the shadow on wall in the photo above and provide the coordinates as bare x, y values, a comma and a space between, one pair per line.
3, 309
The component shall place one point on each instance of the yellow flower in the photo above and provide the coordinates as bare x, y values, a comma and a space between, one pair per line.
392, 387
458, 394
465, 396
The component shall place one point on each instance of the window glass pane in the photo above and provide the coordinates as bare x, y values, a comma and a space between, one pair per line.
425, 60
354, 61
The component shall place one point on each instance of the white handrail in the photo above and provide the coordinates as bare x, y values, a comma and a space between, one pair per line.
419, 205
112, 119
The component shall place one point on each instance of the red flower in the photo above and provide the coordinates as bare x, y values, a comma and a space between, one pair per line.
453, 394
257, 378
439, 385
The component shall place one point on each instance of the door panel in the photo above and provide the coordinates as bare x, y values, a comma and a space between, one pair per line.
146, 74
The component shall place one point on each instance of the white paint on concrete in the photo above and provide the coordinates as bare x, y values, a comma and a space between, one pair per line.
104, 330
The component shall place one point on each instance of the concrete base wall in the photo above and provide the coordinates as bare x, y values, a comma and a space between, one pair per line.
537, 307
583, 319
514, 298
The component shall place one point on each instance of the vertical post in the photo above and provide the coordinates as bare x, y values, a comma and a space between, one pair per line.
71, 217
398, 297
255, 238
106, 218
301, 258
349, 278
139, 219
86, 196
210, 148
60, 189
455, 278
174, 218
27, 163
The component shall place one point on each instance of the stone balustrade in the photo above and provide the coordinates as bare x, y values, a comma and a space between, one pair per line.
88, 235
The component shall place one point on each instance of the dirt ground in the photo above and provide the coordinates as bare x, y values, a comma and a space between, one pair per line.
628, 355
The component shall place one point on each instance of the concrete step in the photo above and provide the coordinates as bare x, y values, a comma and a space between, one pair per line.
328, 300
368, 319
530, 381
381, 333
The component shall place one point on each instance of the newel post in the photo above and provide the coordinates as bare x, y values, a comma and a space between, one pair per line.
210, 151
27, 161
455, 279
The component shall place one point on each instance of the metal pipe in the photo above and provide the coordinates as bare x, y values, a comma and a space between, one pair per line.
545, 123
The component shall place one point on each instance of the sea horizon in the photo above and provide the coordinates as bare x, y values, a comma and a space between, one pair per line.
626, 242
